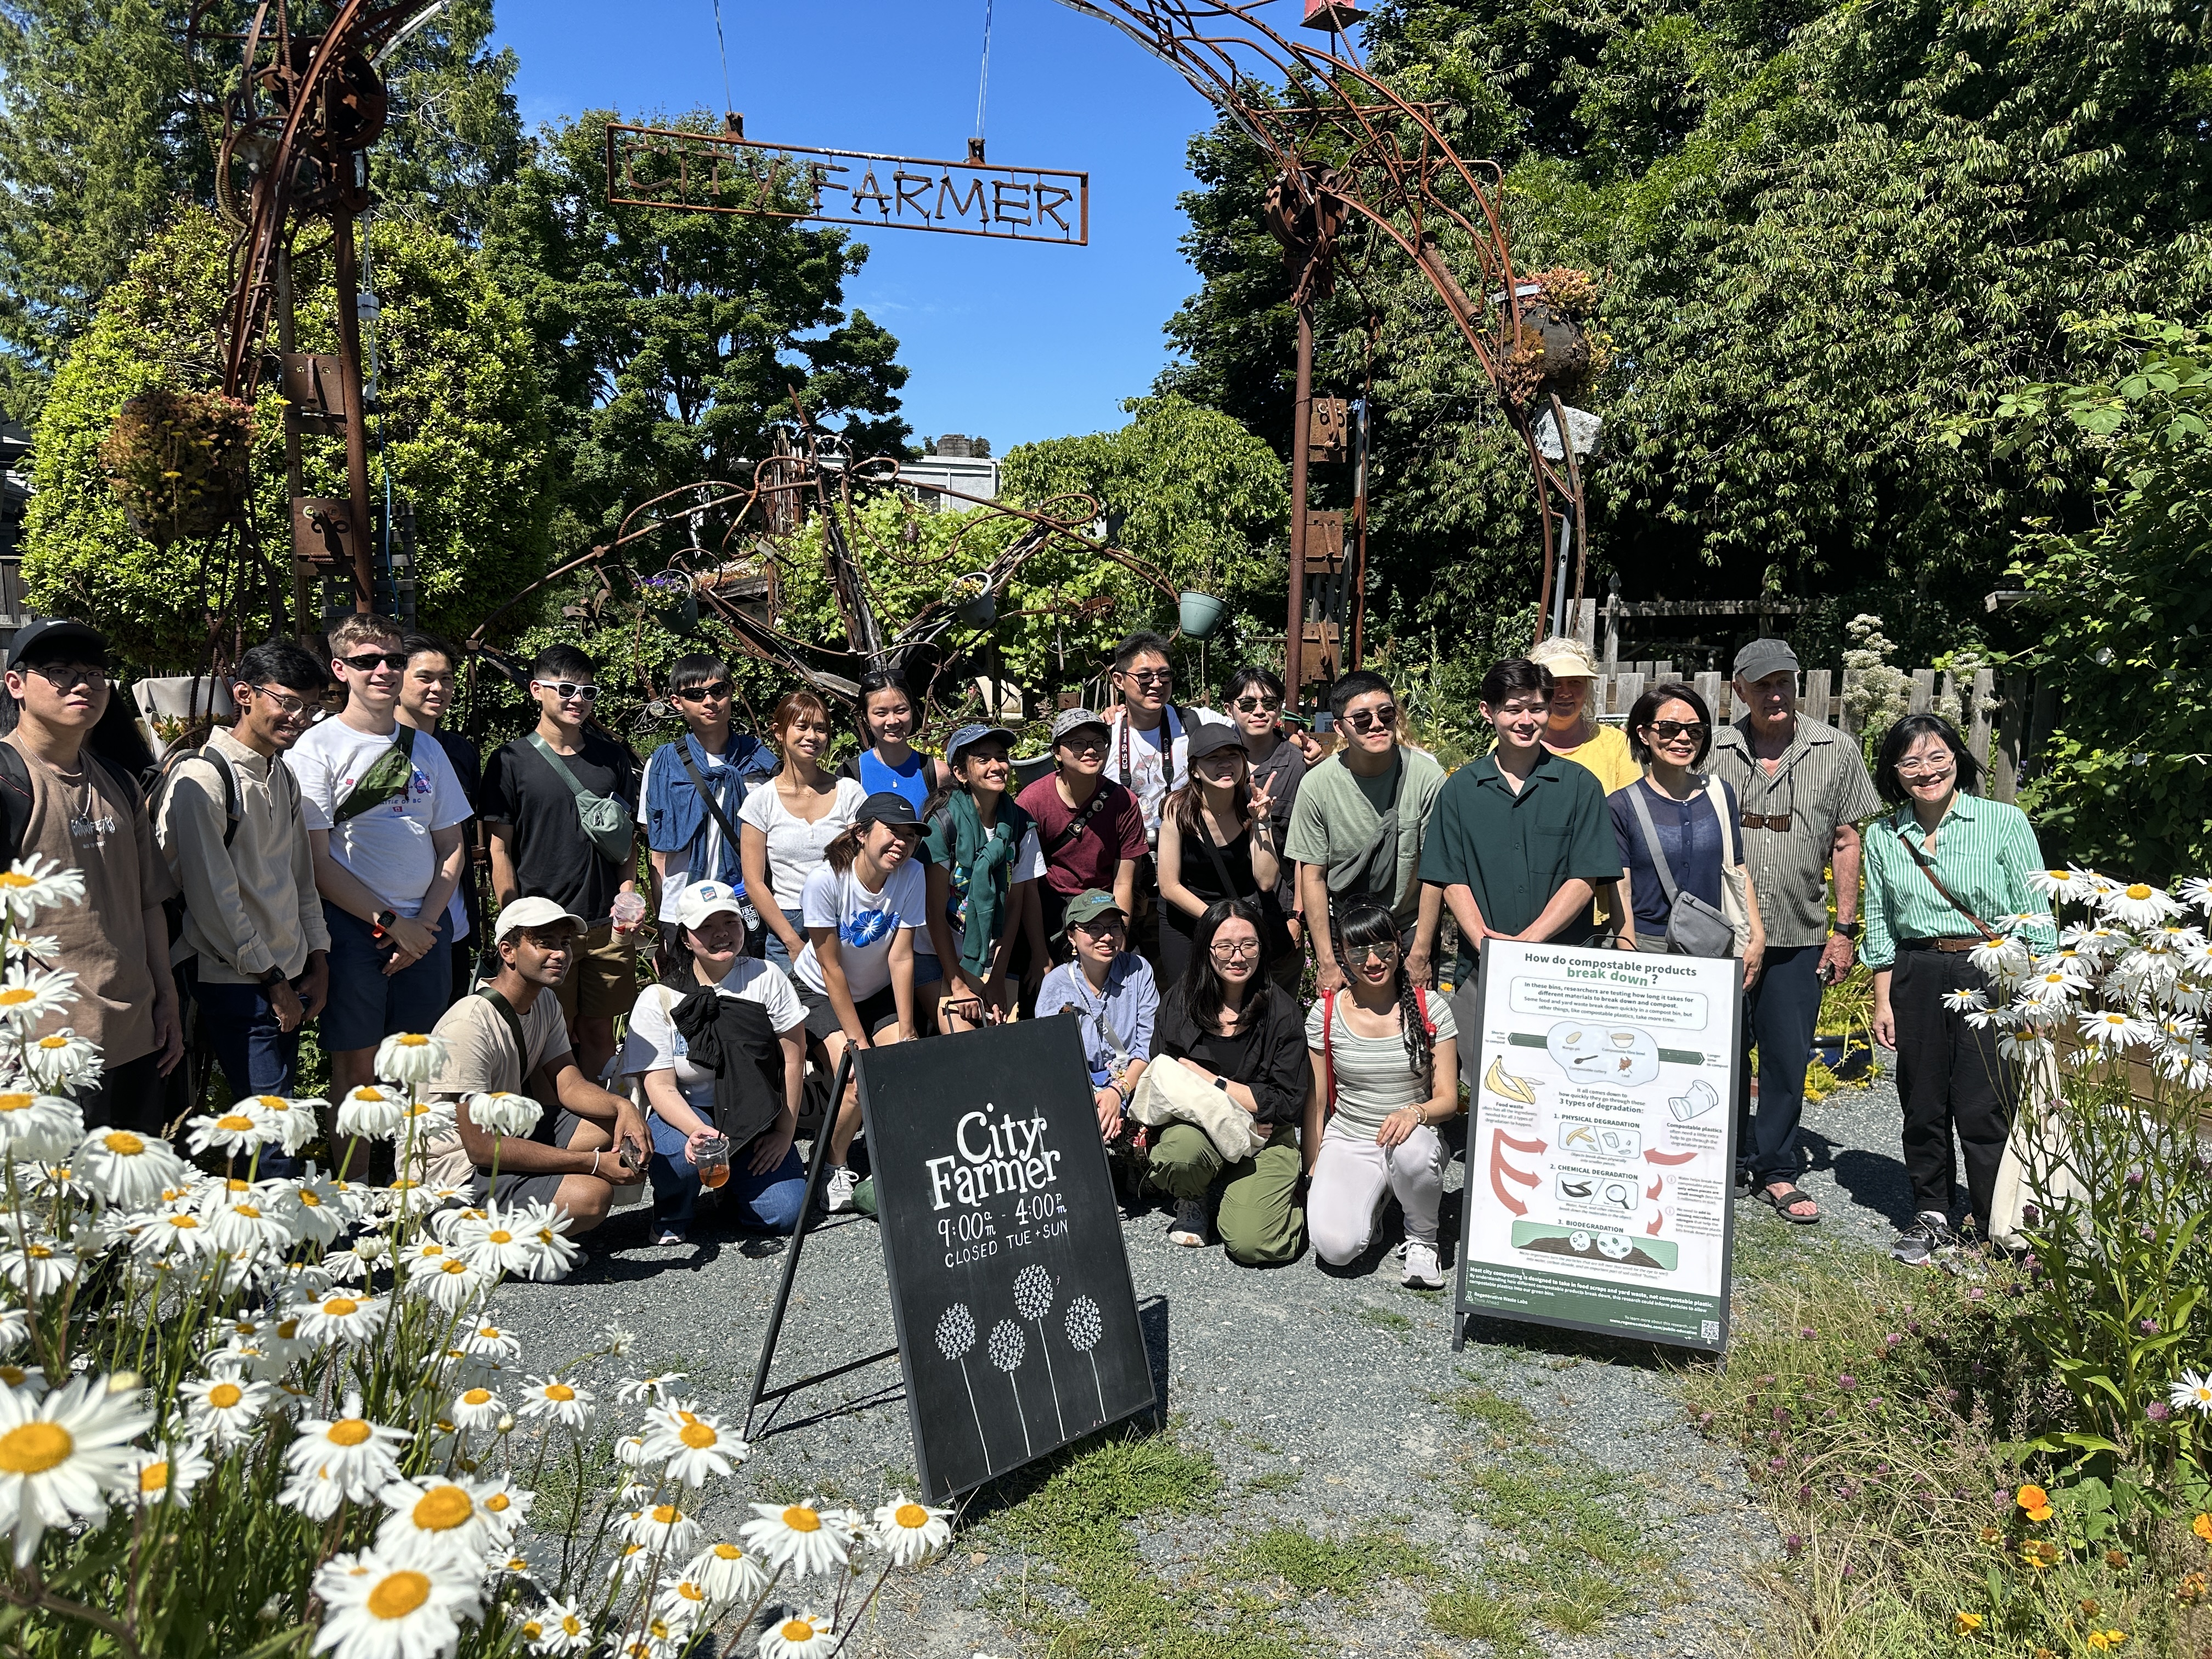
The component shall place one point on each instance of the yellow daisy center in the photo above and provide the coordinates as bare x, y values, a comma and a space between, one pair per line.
339, 1306
412, 1040
37, 1252
236, 1122
348, 1431
798, 1630
34, 1448
667, 1514
452, 1266
728, 1553
16, 995
12, 1102
123, 1143
476, 1397
188, 1223
911, 1515
443, 1508
308, 1200
2139, 892
154, 1477
799, 1518
249, 1212
697, 1435
224, 1395
399, 1594
560, 1392
368, 1093
15, 879
690, 1592
500, 1236
288, 1329
53, 1042
499, 1503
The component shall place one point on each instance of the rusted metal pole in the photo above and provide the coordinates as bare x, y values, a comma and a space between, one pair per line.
305, 620
344, 258
1301, 416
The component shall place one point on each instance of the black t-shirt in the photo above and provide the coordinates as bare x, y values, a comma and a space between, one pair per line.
553, 857
468, 766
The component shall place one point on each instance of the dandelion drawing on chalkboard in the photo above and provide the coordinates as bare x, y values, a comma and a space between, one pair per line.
1007, 1347
956, 1334
1033, 1301
1084, 1328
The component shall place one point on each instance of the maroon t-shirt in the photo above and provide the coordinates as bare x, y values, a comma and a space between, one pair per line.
1116, 831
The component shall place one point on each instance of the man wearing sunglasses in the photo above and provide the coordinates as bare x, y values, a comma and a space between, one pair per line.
1357, 829
543, 794
1804, 791
384, 816
693, 789
66, 803
227, 817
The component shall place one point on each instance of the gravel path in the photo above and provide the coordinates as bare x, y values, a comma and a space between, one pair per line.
1329, 1402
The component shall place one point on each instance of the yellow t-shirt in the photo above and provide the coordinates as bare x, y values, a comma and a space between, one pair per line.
1606, 756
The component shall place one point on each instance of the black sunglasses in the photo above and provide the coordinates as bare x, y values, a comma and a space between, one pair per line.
1373, 720
1670, 730
368, 661
702, 693
1253, 705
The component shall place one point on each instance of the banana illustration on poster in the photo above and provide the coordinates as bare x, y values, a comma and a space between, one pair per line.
1602, 1148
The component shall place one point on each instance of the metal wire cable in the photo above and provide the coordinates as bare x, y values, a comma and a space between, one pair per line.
983, 81
723, 46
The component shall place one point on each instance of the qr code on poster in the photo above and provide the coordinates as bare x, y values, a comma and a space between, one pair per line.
1710, 1331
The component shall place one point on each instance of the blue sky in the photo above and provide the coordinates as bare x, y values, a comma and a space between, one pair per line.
1012, 341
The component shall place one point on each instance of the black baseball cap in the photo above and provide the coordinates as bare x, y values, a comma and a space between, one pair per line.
888, 806
1208, 736
55, 637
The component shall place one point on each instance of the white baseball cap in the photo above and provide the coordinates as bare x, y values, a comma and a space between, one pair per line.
702, 899
532, 913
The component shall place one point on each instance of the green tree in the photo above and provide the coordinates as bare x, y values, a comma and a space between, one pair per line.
453, 137
674, 342
462, 433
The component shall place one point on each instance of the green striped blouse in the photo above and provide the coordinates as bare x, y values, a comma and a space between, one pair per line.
1985, 851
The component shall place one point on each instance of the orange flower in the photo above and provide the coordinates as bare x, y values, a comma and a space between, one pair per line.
1965, 1624
2192, 1589
2201, 1526
2104, 1641
2035, 1501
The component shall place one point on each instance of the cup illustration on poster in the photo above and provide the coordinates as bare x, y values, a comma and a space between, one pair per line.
1084, 1328
956, 1336
1008, 1344
1033, 1301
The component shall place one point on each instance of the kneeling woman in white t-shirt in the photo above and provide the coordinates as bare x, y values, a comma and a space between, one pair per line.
856, 974
719, 1046
1386, 1076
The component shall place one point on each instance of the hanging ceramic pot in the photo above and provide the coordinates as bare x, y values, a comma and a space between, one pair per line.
1200, 613
980, 609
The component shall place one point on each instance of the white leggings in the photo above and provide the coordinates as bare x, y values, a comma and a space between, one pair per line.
1350, 1177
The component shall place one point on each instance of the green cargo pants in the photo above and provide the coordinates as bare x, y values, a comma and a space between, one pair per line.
1260, 1224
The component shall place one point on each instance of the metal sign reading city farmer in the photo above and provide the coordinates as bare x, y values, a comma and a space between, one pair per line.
720, 173
1010, 1287
1600, 1160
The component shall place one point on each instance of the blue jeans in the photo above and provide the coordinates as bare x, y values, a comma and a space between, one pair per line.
258, 1056
772, 945
1783, 1007
366, 1005
767, 1201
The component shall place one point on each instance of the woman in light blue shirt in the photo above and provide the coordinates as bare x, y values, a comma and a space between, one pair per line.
1110, 989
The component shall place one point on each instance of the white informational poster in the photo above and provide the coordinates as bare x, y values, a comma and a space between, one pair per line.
1601, 1153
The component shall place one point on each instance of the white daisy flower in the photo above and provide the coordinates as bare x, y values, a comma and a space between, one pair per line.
372, 1112
316, 1214
31, 1383
660, 1389
28, 994
630, 1451
2197, 890
909, 1533
59, 1180
63, 1059
506, 1506
2193, 1393
1965, 1002
2189, 1064
339, 1318
172, 1234
39, 1266
15, 1328
235, 1133
664, 1529
240, 1218
221, 1411
2025, 922
410, 1057
547, 1226
490, 1342
2139, 905
798, 1636
376, 1608
551, 1399
561, 1628
799, 1537
683, 1601
293, 1121
61, 1454
361, 1456
694, 1445
451, 1284
38, 1126
2055, 987
2114, 1030
2002, 958
477, 1408
614, 1341
731, 1576
2025, 1046
504, 1114
129, 1168
314, 1492
437, 1518
492, 1242
426, 1120
33, 884
630, 1561
163, 1476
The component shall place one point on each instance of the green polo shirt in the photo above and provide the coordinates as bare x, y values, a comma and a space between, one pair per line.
1514, 850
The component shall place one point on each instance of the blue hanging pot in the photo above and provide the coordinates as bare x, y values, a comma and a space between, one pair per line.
1200, 613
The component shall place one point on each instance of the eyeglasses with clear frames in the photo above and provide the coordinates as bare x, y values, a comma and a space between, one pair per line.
1235, 949
68, 676
1386, 951
1932, 768
287, 707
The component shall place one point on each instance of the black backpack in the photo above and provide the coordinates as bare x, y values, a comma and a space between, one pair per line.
16, 794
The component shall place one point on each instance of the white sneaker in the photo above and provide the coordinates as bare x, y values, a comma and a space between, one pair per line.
1422, 1270
837, 1190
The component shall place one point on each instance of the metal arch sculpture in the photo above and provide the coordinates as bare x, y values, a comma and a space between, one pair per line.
1396, 172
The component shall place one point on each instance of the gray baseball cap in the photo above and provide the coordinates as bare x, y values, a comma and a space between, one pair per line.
1074, 720
1764, 656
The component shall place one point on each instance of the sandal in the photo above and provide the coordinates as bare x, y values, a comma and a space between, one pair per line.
1780, 1203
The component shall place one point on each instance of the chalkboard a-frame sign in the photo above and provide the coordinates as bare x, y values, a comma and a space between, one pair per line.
1010, 1284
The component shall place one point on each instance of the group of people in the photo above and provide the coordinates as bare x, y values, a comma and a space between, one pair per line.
1164, 883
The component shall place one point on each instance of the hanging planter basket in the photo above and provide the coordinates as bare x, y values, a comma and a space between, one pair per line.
1199, 613
978, 604
178, 462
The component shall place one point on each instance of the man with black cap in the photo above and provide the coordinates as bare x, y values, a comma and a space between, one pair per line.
70, 806
1090, 828
1804, 791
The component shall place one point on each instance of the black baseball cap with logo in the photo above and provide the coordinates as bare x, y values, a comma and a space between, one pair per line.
56, 639
889, 807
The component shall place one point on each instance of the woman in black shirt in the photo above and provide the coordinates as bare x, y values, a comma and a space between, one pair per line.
1217, 841
1225, 1022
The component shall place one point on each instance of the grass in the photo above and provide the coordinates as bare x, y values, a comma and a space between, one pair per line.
1386, 1319
1508, 1420
1350, 1570
1275, 1480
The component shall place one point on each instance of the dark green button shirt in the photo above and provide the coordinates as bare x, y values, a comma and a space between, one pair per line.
1514, 851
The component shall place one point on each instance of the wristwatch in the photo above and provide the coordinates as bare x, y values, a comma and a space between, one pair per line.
1222, 1084
272, 976
1848, 929
385, 919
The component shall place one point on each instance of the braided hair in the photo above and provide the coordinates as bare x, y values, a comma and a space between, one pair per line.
1362, 923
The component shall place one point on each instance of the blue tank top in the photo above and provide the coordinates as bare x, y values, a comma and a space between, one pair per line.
911, 780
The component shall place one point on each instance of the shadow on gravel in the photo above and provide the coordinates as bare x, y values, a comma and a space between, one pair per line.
1874, 1181
1556, 1344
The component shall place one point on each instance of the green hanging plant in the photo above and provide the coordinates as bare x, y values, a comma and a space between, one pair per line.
178, 461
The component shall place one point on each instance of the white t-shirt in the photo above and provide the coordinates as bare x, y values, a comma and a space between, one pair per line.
866, 923
387, 847
794, 846
1028, 865
676, 874
655, 1045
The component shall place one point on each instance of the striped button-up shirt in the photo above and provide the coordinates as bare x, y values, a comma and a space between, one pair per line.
1820, 783
1983, 852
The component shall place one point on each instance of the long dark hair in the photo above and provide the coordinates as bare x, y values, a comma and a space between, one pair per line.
1187, 802
1362, 923
1201, 982
875, 680
1908, 731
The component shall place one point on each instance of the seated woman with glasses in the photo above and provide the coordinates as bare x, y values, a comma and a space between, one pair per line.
887, 760
1385, 1079
1945, 872
694, 790
1228, 1024
1692, 820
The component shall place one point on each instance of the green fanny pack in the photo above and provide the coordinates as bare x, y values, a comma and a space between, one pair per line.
606, 821
387, 778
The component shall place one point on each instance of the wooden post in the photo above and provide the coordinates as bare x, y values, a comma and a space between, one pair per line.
1978, 727
1301, 414
1612, 623
1818, 702
2012, 722
1586, 624
1709, 688
1924, 691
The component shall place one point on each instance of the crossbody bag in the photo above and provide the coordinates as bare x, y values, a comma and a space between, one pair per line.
1694, 928
1928, 869
606, 821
